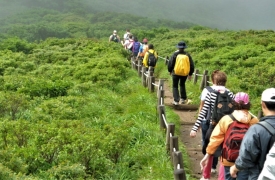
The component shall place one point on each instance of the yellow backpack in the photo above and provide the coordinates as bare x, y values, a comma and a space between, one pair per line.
182, 65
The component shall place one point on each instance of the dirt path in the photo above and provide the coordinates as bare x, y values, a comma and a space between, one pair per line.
193, 145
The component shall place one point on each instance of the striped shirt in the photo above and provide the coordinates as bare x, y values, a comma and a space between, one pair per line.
208, 103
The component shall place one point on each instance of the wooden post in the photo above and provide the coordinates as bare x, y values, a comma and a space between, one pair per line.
160, 87
139, 67
196, 76
203, 79
161, 97
170, 130
206, 82
151, 84
174, 145
161, 119
179, 173
143, 76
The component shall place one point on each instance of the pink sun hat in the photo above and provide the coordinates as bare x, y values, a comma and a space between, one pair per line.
241, 96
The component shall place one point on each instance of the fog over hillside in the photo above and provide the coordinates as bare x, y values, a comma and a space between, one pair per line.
220, 14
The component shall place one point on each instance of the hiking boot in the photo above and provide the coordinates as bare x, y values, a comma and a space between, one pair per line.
175, 103
213, 171
184, 101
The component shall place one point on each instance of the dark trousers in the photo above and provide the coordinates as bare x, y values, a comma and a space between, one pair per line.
179, 81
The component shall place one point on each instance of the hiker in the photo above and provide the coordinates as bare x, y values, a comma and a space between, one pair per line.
114, 37
150, 58
206, 120
180, 67
206, 115
257, 140
222, 135
268, 172
143, 49
128, 44
126, 35
136, 46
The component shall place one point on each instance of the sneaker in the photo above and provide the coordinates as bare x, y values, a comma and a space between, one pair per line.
184, 101
213, 171
175, 103
203, 178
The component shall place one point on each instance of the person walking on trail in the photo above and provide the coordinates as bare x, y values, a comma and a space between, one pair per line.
205, 123
126, 35
181, 67
240, 120
268, 172
143, 49
114, 37
150, 58
128, 44
258, 140
136, 47
204, 119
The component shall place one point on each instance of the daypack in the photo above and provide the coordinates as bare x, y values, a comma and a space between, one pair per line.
271, 130
136, 46
182, 65
114, 38
223, 106
233, 139
152, 60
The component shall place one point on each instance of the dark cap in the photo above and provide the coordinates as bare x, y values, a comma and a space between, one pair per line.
181, 45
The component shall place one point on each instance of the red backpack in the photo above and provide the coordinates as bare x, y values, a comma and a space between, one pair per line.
233, 139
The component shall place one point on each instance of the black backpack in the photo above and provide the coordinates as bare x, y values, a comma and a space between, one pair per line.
152, 60
114, 38
223, 106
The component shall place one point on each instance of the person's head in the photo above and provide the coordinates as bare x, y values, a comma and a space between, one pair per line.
135, 39
127, 30
150, 46
181, 46
130, 36
145, 41
218, 78
268, 101
114, 32
241, 101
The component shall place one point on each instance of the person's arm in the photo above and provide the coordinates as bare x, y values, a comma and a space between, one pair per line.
192, 66
218, 134
202, 115
171, 62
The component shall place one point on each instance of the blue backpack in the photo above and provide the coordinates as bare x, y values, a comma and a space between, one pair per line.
136, 47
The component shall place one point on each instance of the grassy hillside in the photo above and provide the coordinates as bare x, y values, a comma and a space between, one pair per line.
71, 107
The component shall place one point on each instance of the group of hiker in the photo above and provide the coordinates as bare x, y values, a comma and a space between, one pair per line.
242, 144
231, 133
139, 50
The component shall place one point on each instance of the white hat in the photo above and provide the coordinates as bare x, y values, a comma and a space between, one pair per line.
114, 31
268, 95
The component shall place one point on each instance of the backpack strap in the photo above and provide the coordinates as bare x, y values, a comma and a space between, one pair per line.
268, 127
209, 89
232, 117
